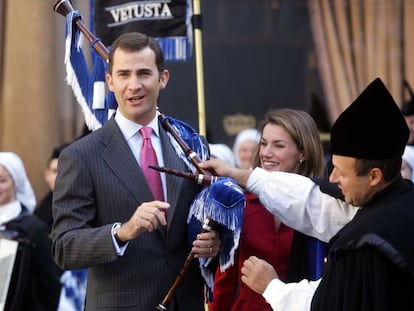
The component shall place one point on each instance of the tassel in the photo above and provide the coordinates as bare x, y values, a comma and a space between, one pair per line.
223, 202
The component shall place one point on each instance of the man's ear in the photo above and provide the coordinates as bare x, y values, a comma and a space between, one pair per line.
108, 79
375, 176
164, 77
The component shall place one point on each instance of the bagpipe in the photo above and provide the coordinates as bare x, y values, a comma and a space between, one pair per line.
221, 202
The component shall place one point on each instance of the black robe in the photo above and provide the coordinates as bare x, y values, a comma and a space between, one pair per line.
371, 260
35, 284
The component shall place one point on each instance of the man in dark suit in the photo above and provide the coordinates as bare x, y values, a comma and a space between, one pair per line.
105, 215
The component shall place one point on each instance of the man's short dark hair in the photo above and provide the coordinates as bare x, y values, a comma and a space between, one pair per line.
390, 168
136, 41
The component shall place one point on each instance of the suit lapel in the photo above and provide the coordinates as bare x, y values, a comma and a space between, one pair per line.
120, 159
174, 183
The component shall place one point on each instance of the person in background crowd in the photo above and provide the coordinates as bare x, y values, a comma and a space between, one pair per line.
244, 147
289, 143
34, 283
73, 282
222, 152
108, 214
44, 209
407, 165
407, 110
370, 265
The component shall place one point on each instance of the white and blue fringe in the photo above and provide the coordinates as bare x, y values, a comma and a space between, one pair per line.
224, 203
88, 86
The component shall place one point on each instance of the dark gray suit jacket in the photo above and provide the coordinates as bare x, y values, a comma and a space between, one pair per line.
99, 183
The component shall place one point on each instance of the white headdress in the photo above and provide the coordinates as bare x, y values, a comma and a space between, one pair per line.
245, 135
24, 191
222, 152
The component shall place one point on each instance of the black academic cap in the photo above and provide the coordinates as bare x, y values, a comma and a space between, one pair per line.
360, 131
407, 108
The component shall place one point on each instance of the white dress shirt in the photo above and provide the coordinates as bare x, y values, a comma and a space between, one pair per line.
301, 205
130, 130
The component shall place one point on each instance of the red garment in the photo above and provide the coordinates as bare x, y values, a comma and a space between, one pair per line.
259, 238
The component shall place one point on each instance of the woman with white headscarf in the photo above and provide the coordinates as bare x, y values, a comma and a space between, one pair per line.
222, 152
244, 147
33, 285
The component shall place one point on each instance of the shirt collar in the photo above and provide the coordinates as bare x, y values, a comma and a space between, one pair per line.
130, 128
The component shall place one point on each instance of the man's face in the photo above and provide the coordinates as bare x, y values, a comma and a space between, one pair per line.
357, 190
410, 124
136, 83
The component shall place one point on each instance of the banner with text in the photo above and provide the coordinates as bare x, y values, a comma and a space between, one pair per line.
169, 21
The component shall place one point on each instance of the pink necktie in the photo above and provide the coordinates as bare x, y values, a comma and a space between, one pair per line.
148, 157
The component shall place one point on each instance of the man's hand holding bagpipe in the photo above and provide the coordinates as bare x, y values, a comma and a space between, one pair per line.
207, 244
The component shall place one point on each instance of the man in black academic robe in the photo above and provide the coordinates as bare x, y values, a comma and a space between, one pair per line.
370, 262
